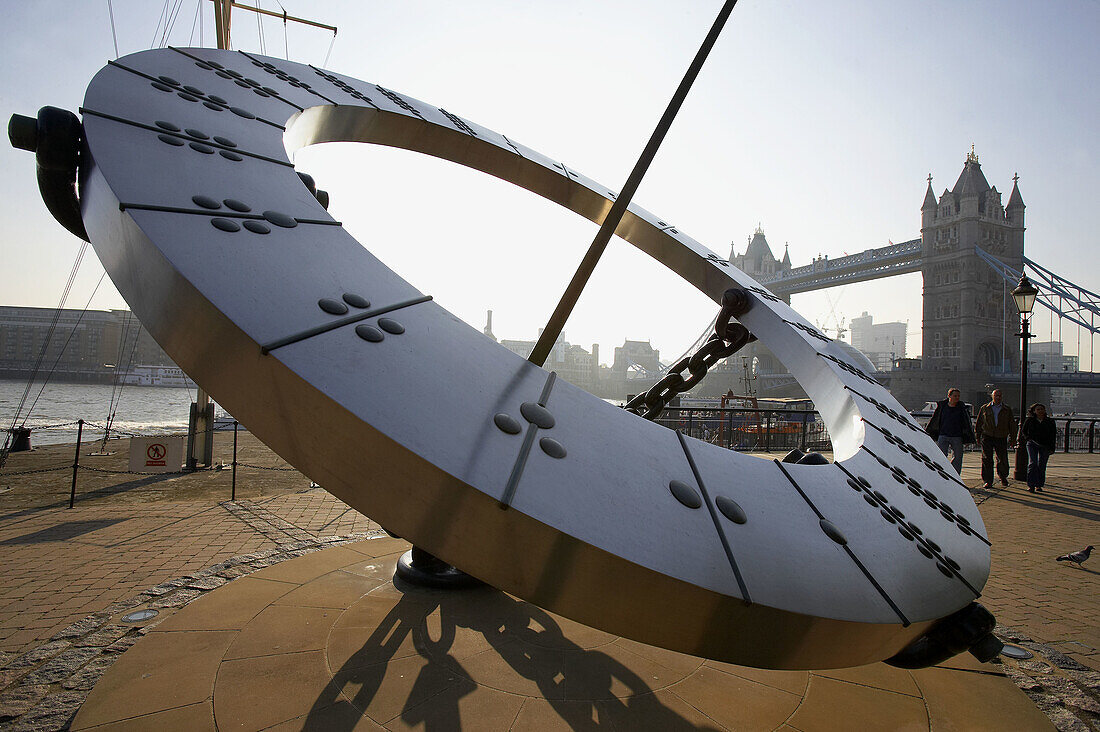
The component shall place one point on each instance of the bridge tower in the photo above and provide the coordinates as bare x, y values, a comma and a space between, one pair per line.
969, 317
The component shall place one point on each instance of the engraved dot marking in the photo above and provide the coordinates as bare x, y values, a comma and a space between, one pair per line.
202, 65
230, 156
888, 516
245, 84
173, 141
731, 509
242, 113
855, 485
166, 126
914, 528
236, 205
924, 550
206, 202
952, 562
552, 447
193, 90
391, 326
685, 494
219, 100
356, 301
186, 97
224, 141
944, 569
962, 519
161, 87
169, 80
505, 422
373, 335
257, 227
932, 545
215, 65
198, 134
280, 219
870, 499
199, 147
260, 93
537, 415
234, 74
905, 533
211, 105
225, 225
833, 532
333, 307
223, 74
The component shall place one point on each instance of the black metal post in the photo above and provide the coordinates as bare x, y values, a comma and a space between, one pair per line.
233, 495
802, 442
1066, 447
1092, 433
1020, 473
76, 460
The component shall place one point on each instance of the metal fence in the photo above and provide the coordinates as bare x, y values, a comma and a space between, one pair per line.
751, 430
782, 430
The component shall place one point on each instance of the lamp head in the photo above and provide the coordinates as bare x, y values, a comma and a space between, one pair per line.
1024, 295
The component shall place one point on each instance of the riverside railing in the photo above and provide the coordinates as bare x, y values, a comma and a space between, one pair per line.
768, 430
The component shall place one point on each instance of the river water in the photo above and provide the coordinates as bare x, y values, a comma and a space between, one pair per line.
144, 410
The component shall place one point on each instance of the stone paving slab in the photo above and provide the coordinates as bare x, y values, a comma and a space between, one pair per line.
66, 576
481, 659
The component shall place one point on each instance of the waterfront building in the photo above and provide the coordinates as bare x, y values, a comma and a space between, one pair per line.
881, 343
83, 345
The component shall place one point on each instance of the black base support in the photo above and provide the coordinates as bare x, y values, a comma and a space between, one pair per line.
418, 567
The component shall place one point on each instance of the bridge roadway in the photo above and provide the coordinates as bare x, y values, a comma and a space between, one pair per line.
871, 264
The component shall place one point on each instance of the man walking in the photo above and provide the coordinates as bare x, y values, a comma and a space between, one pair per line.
950, 427
995, 427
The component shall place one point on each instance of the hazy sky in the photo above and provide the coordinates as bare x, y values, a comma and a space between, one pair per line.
819, 121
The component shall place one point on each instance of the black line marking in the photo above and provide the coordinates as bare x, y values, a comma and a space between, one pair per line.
143, 75
512, 145
334, 81
936, 553
866, 573
180, 135
333, 325
715, 519
203, 61
216, 213
525, 450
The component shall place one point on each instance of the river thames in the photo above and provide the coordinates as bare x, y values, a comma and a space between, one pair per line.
145, 410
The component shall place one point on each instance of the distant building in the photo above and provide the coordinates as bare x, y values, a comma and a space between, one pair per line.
1047, 357
89, 345
882, 343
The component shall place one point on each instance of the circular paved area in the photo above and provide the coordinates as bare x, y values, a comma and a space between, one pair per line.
328, 641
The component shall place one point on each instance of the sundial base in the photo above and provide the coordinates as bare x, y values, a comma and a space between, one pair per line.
418, 567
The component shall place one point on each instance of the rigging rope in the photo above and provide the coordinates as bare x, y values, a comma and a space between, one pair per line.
260, 30
42, 353
114, 34
61, 353
331, 43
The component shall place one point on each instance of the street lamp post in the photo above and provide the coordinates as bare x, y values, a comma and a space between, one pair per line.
1024, 295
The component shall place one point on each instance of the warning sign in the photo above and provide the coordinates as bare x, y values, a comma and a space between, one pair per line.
156, 454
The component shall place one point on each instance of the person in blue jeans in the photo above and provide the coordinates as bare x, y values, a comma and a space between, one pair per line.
951, 427
1039, 435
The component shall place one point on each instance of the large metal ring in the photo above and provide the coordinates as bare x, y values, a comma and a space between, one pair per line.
417, 420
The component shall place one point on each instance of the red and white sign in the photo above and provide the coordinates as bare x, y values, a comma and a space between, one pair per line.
156, 454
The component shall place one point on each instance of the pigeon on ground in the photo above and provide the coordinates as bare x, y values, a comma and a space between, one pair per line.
1076, 557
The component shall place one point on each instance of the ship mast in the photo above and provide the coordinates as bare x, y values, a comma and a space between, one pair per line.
200, 443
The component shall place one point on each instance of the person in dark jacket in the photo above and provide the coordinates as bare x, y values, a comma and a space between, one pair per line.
995, 427
1039, 434
951, 428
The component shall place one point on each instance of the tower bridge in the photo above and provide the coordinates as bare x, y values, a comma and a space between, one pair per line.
969, 248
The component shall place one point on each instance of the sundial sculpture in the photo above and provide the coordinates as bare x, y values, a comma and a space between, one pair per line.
409, 415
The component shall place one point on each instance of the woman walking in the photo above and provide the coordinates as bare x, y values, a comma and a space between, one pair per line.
1039, 434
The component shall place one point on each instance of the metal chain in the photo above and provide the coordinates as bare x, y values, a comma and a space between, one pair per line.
727, 339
